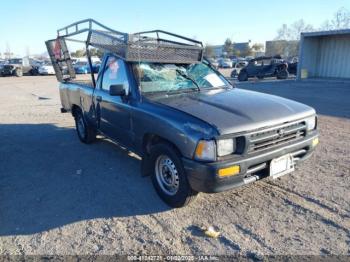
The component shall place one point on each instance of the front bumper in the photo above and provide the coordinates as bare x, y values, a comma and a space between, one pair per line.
46, 72
203, 176
7, 72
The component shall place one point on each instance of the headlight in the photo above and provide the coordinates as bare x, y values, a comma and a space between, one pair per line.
206, 150
311, 123
226, 147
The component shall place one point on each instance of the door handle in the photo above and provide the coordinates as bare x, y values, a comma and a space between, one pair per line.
99, 98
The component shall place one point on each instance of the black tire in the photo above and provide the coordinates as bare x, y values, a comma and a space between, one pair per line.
184, 194
18, 72
260, 76
234, 73
34, 72
243, 76
86, 133
283, 74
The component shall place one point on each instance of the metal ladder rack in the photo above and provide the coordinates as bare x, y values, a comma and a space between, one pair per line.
156, 46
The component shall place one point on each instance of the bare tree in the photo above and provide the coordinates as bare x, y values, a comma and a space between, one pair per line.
78, 53
326, 26
299, 27
341, 19
283, 33
27, 51
258, 47
228, 47
96, 52
209, 51
293, 31
247, 51
8, 53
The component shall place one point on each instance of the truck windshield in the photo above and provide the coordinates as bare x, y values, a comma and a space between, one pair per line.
15, 61
155, 77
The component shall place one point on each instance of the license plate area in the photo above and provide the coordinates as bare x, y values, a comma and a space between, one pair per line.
281, 166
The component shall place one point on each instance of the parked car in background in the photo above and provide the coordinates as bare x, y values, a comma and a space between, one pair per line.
46, 69
293, 66
82, 67
214, 62
237, 68
248, 58
225, 63
2, 63
265, 67
18, 67
96, 67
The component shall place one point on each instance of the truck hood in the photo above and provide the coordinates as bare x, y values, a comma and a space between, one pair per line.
237, 110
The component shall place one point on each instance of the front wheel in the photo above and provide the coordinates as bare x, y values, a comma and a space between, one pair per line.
18, 72
243, 76
283, 74
234, 73
169, 177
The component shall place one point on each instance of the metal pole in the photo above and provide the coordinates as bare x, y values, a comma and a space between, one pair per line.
90, 64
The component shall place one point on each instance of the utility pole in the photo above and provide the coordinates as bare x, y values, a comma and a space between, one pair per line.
8, 53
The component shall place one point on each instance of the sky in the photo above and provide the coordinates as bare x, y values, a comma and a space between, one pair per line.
26, 24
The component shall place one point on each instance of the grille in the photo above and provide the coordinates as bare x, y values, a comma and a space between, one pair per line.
8, 67
266, 139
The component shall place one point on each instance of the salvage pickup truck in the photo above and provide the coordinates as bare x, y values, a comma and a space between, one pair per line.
194, 131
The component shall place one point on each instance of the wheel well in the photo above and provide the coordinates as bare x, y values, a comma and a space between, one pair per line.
148, 141
152, 139
282, 67
75, 109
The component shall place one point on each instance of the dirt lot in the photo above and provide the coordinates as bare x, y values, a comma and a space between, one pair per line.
58, 196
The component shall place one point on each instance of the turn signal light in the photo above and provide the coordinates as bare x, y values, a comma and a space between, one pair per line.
229, 171
315, 142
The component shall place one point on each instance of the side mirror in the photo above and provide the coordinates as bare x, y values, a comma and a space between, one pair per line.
117, 90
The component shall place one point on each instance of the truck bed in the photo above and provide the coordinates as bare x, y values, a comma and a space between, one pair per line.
77, 92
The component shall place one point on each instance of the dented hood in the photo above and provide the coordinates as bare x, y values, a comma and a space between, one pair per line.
236, 110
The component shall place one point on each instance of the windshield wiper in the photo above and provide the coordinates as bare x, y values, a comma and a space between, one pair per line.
188, 77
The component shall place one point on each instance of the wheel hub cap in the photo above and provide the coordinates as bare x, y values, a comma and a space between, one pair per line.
167, 175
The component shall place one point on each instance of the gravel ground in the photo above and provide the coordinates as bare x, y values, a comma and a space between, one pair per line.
58, 196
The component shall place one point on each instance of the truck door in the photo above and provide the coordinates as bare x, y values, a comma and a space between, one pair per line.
113, 112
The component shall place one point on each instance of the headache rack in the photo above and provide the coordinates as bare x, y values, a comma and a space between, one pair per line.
155, 46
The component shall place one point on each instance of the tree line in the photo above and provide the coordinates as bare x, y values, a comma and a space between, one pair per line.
82, 52
340, 20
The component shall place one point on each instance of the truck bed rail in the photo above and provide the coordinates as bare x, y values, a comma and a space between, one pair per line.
156, 46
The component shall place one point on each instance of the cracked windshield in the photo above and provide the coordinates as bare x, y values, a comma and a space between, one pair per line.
154, 77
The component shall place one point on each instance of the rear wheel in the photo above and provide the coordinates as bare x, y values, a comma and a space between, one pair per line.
169, 177
86, 133
260, 77
18, 72
34, 72
243, 76
283, 74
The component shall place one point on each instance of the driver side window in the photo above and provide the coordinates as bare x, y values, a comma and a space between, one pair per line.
115, 74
